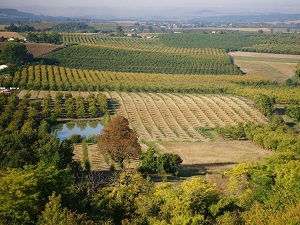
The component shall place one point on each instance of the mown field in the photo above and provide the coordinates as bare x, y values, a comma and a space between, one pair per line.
275, 67
182, 117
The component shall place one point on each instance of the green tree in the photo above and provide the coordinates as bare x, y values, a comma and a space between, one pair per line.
168, 163
265, 104
53, 212
15, 53
102, 102
294, 112
24, 192
149, 162
119, 141
117, 202
69, 107
43, 129
120, 31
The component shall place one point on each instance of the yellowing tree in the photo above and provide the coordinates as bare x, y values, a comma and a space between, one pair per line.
119, 141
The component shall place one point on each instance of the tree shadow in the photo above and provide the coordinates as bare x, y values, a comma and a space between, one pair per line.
47, 61
200, 169
112, 105
279, 111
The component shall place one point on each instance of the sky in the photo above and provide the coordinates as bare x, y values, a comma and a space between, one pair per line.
148, 8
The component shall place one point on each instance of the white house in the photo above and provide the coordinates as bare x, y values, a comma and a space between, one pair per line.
2, 67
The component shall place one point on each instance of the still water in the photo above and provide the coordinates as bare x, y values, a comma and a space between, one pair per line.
83, 128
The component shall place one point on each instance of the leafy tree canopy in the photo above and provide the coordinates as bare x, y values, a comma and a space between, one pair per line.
15, 53
119, 141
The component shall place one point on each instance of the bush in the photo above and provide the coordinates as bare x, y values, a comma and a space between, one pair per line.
75, 138
149, 162
166, 163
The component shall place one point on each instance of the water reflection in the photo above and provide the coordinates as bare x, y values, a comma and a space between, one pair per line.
70, 125
83, 128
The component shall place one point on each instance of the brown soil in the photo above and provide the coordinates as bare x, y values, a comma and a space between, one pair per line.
40, 48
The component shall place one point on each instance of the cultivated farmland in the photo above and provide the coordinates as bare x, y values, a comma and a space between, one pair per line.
181, 117
11, 35
38, 49
275, 67
175, 117
208, 61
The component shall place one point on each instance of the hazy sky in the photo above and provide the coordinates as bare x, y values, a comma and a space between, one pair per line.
150, 7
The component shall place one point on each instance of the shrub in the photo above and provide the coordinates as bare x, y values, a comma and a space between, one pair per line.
168, 163
75, 138
149, 162
153, 163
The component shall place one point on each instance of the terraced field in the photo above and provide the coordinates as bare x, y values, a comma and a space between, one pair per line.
181, 117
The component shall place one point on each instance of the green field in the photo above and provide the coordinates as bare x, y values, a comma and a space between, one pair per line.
279, 43
212, 61
230, 42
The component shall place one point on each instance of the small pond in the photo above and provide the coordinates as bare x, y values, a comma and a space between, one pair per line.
83, 128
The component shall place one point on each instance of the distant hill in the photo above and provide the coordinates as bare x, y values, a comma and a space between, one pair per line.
12, 16
248, 18
8, 16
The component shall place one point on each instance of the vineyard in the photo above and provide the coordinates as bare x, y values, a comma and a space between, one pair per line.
278, 43
124, 42
209, 61
230, 42
274, 48
42, 77
273, 43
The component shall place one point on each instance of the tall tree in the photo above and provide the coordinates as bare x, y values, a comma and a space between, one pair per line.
15, 53
120, 31
119, 141
53, 212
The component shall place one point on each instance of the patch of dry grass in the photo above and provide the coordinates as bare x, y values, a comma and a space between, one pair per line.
275, 67
11, 34
264, 55
211, 159
278, 72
